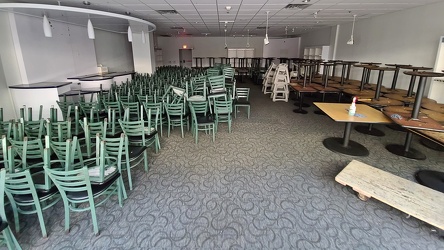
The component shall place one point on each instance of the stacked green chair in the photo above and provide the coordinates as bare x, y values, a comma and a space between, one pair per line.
156, 114
26, 199
200, 119
242, 100
138, 135
127, 156
222, 111
76, 188
176, 116
8, 237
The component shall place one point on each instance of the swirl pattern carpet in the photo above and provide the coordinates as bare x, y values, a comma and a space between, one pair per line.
267, 185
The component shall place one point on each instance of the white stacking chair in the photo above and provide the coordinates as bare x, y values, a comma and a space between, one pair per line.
281, 79
267, 83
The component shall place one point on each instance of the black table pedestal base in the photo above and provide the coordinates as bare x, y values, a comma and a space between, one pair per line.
432, 145
300, 111
412, 153
431, 179
319, 112
335, 144
396, 127
304, 105
366, 129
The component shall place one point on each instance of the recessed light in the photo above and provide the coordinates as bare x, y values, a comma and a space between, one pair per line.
86, 3
306, 1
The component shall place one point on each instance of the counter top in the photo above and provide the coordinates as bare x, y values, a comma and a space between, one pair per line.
40, 85
98, 77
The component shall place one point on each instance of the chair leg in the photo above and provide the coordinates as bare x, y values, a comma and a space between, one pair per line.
66, 205
128, 170
119, 190
145, 160
94, 216
248, 114
41, 220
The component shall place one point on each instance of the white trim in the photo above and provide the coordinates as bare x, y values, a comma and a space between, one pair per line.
78, 10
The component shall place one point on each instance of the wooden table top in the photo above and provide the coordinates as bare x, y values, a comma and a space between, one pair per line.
364, 114
437, 137
422, 123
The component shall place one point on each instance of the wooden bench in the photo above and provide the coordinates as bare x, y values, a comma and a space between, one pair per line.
409, 197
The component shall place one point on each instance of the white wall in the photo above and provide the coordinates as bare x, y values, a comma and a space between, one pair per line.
205, 47
9, 68
284, 47
67, 53
143, 53
404, 37
320, 37
113, 51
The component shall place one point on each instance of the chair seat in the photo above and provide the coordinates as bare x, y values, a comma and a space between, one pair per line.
139, 137
134, 152
202, 120
3, 225
241, 102
41, 193
196, 98
97, 189
94, 174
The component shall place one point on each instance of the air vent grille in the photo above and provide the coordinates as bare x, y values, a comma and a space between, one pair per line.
163, 12
165, 35
176, 28
297, 6
261, 27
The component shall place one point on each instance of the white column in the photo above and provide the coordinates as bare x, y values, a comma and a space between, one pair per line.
143, 53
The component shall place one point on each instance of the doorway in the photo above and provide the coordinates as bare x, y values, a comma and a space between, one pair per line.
186, 58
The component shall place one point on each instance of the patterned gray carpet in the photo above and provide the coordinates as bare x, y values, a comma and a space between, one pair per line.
267, 185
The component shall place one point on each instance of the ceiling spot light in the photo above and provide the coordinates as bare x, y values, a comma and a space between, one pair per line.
228, 8
46, 27
306, 1
90, 29
86, 3
130, 34
351, 41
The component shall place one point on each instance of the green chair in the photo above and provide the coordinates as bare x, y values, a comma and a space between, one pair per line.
242, 100
60, 131
176, 116
68, 153
114, 105
33, 129
8, 236
26, 199
76, 188
132, 111
156, 116
138, 135
222, 111
130, 156
30, 153
200, 119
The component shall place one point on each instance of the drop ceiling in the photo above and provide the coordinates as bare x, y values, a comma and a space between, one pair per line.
208, 17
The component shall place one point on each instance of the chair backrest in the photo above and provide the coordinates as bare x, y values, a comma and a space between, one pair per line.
28, 150
33, 129
175, 109
60, 131
2, 194
242, 93
201, 107
133, 128
20, 183
213, 72
116, 147
71, 181
115, 105
223, 107
68, 152
217, 82
228, 73
132, 108
153, 112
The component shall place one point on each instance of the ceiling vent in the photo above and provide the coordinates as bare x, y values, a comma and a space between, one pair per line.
261, 27
165, 35
297, 6
176, 28
163, 12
